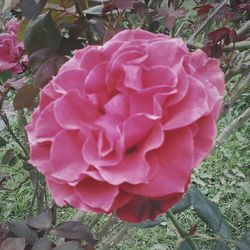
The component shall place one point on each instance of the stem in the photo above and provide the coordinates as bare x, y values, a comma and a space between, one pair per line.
34, 194
180, 230
244, 45
238, 122
104, 229
208, 19
83, 21
96, 218
8, 127
244, 29
114, 239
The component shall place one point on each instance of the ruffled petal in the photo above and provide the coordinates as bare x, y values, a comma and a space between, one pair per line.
66, 157
175, 162
96, 194
187, 111
72, 111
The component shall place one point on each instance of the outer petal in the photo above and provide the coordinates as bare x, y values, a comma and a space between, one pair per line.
64, 194
204, 138
66, 157
142, 208
187, 110
96, 194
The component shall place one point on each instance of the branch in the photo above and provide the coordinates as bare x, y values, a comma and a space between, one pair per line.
244, 29
238, 122
16, 188
181, 231
208, 19
113, 239
240, 90
83, 21
241, 46
8, 127
235, 71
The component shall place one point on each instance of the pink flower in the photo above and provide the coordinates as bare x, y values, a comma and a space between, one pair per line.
122, 126
12, 26
11, 51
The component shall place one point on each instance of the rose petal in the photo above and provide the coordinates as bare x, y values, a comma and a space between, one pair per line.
64, 195
65, 167
141, 170
141, 208
188, 111
71, 79
175, 153
96, 194
72, 111
204, 138
46, 125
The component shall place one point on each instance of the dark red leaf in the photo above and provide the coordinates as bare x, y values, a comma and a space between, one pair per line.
48, 69
25, 97
244, 6
213, 50
42, 244
38, 57
141, 9
16, 83
124, 4
74, 230
218, 35
3, 228
23, 231
204, 9
70, 245
193, 229
13, 244
42, 221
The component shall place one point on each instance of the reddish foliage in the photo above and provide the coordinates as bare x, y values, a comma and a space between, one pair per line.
203, 9
217, 39
193, 229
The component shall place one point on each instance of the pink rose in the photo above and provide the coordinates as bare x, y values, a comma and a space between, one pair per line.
122, 126
12, 26
11, 51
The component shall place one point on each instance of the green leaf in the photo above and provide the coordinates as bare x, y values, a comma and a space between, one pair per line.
95, 10
73, 230
42, 33
23, 231
220, 245
4, 76
2, 142
158, 247
13, 244
32, 8
70, 245
184, 245
63, 3
8, 157
182, 205
42, 221
42, 244
244, 242
209, 212
25, 97
149, 223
